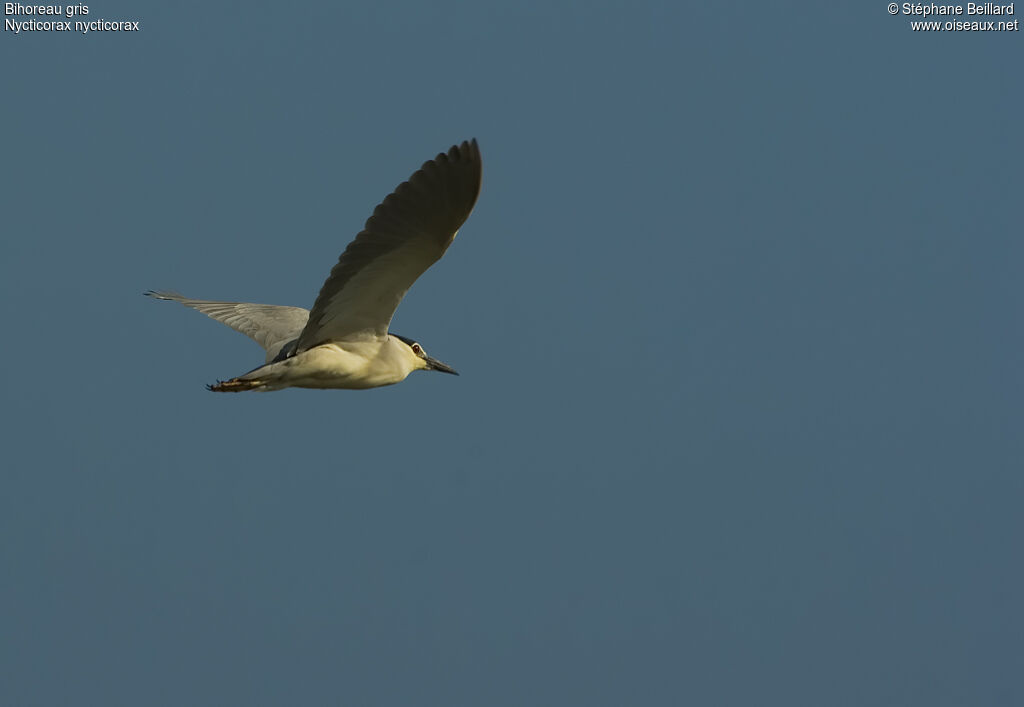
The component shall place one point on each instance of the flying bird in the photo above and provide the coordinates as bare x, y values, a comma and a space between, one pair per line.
344, 342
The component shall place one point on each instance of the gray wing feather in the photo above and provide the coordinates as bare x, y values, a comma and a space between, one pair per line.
408, 232
271, 326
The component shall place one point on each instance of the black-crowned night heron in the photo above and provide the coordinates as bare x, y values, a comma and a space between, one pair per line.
344, 341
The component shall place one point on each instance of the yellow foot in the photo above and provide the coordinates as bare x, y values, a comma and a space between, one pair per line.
235, 385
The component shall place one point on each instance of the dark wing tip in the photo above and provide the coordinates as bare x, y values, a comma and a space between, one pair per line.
467, 152
445, 188
166, 295
465, 159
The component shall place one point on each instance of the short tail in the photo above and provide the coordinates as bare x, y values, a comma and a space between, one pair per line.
237, 385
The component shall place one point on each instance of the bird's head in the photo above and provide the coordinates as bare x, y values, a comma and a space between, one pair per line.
422, 360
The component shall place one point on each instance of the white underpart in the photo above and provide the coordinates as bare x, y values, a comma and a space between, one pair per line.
340, 364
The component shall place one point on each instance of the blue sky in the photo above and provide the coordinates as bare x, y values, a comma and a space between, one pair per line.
737, 318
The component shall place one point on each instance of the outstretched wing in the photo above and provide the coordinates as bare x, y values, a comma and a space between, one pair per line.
408, 232
271, 326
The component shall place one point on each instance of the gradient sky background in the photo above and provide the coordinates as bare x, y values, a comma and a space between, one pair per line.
737, 317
